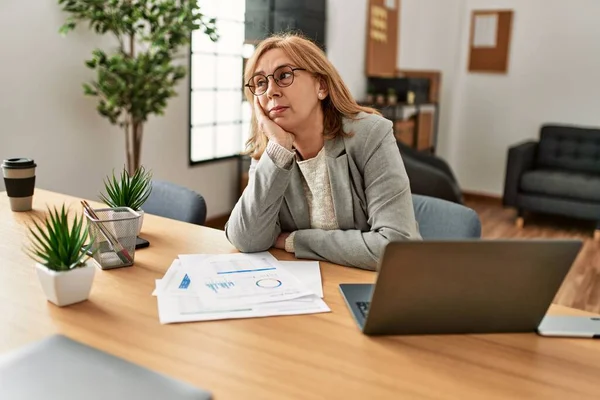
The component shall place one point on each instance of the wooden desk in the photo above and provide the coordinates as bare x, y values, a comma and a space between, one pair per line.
322, 356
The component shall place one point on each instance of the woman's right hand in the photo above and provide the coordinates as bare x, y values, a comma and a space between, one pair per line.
273, 131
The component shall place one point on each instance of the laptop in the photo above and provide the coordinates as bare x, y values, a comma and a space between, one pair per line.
466, 286
59, 368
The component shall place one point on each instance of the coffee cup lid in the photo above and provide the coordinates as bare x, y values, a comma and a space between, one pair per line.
18, 163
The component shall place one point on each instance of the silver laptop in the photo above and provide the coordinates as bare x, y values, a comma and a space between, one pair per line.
466, 286
58, 368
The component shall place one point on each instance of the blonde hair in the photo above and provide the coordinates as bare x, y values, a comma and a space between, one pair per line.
305, 54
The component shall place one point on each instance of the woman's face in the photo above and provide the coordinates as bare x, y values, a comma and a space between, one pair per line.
290, 106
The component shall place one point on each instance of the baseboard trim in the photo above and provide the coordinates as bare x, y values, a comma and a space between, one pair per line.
472, 195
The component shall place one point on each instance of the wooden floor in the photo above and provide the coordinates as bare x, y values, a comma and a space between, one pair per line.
581, 288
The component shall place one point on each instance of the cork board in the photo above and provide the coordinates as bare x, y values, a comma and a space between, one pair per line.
382, 38
489, 41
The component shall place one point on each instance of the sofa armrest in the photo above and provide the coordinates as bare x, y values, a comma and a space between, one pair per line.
520, 158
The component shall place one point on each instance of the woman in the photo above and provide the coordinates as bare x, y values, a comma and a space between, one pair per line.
326, 180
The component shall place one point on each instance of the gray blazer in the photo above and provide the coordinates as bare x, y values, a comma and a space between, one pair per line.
371, 196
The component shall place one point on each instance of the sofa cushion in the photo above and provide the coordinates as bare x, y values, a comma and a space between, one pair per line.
568, 185
569, 148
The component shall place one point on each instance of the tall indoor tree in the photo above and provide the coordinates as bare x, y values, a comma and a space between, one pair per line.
139, 76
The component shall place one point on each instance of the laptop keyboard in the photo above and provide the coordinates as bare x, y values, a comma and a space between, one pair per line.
363, 307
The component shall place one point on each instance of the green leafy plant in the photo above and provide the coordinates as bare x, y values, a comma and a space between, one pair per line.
57, 243
138, 78
128, 190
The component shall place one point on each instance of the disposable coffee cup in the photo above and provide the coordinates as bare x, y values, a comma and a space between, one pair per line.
19, 179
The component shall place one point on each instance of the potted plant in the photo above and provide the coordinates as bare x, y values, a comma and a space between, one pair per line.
128, 191
371, 94
140, 75
392, 98
63, 266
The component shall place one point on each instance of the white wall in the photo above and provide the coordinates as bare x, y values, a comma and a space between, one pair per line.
44, 115
346, 42
554, 76
429, 38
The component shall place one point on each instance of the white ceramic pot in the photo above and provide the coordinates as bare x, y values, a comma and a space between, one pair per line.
67, 287
140, 221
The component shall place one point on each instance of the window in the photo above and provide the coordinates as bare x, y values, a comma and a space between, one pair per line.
219, 113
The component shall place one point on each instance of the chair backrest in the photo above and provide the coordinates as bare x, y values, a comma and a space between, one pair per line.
173, 201
569, 148
441, 219
426, 158
429, 175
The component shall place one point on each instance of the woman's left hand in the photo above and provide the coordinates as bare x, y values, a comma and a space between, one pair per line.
280, 242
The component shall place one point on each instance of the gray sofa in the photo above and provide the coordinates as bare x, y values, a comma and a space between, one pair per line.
557, 174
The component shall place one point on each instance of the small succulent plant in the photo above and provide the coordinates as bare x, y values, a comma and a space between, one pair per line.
57, 243
128, 191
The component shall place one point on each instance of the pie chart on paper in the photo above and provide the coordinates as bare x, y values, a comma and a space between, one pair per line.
268, 283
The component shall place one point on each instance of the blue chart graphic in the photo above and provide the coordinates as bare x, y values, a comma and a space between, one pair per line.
220, 286
185, 282
244, 270
268, 283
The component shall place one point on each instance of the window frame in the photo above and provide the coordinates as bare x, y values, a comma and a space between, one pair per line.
240, 122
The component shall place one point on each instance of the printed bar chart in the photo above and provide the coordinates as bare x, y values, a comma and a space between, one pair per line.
218, 286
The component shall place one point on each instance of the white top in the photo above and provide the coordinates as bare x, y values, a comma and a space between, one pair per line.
317, 188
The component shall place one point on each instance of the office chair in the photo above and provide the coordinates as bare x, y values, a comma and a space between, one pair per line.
176, 202
430, 175
442, 219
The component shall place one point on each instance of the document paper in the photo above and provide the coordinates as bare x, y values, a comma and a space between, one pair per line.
208, 287
485, 32
242, 279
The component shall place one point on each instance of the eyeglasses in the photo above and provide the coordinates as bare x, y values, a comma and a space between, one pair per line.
283, 77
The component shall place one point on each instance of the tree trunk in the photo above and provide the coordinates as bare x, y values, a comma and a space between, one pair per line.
133, 143
138, 130
129, 145
133, 129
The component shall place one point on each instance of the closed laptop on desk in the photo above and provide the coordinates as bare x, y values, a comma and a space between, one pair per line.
58, 368
471, 286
